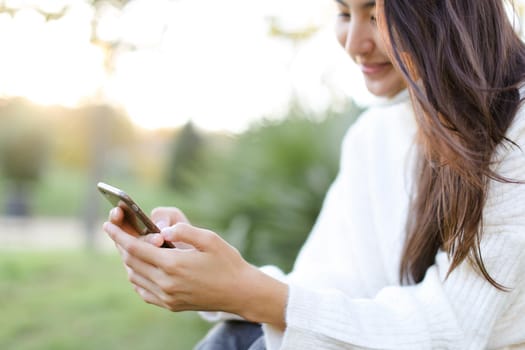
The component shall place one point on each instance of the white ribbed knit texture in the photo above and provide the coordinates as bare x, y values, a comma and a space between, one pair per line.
344, 291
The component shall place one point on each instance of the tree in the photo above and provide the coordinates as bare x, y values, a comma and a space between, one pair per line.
185, 158
24, 149
110, 48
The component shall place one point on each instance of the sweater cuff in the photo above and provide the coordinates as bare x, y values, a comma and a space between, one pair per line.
272, 337
216, 316
300, 316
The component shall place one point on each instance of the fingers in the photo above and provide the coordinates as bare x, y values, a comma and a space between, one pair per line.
147, 290
116, 216
154, 239
148, 267
148, 297
138, 278
133, 246
143, 274
200, 239
168, 216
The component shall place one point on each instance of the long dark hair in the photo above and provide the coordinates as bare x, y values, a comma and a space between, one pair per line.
463, 62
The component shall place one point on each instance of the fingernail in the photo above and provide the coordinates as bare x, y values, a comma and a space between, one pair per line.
162, 224
113, 213
154, 238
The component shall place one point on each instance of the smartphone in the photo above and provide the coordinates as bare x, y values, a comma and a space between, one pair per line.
133, 214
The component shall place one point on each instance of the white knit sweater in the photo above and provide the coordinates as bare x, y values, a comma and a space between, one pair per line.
344, 288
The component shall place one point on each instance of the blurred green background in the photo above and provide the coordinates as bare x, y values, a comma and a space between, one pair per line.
62, 285
261, 190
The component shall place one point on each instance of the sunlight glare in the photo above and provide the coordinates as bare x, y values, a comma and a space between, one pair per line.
47, 62
210, 62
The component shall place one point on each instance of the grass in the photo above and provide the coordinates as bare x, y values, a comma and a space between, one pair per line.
80, 300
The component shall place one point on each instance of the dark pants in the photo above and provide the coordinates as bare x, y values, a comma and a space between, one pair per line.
233, 335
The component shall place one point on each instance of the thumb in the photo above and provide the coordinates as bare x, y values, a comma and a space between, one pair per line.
153, 238
200, 239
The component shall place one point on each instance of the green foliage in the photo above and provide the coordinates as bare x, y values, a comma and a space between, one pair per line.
82, 301
24, 144
24, 152
264, 194
61, 192
30, 135
262, 190
184, 158
85, 134
44, 149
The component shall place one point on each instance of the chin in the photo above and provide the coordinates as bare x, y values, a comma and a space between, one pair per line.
380, 92
383, 90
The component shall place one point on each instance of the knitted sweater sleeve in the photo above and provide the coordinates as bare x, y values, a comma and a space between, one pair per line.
460, 311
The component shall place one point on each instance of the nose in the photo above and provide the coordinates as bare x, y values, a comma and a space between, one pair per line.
359, 40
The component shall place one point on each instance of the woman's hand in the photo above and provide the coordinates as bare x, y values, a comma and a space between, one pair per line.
212, 276
162, 217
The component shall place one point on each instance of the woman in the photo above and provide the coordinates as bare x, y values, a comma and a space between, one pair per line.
420, 243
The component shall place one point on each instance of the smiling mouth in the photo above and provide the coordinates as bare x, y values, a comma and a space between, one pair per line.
374, 68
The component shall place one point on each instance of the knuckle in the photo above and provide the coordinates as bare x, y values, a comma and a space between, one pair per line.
173, 308
132, 277
210, 237
168, 264
158, 212
168, 212
168, 300
235, 251
126, 258
139, 291
168, 287
171, 269
133, 248
135, 288
182, 226
173, 304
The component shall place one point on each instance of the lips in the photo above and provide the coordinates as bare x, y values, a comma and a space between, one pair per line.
374, 68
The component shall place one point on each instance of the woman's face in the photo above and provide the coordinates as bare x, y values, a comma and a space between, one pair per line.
357, 32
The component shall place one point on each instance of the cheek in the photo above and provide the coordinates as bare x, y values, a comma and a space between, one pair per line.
380, 15
386, 48
397, 83
382, 45
383, 31
340, 33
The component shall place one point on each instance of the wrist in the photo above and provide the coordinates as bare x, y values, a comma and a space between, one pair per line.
263, 299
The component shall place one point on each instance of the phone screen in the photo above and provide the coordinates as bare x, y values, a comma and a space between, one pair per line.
133, 214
